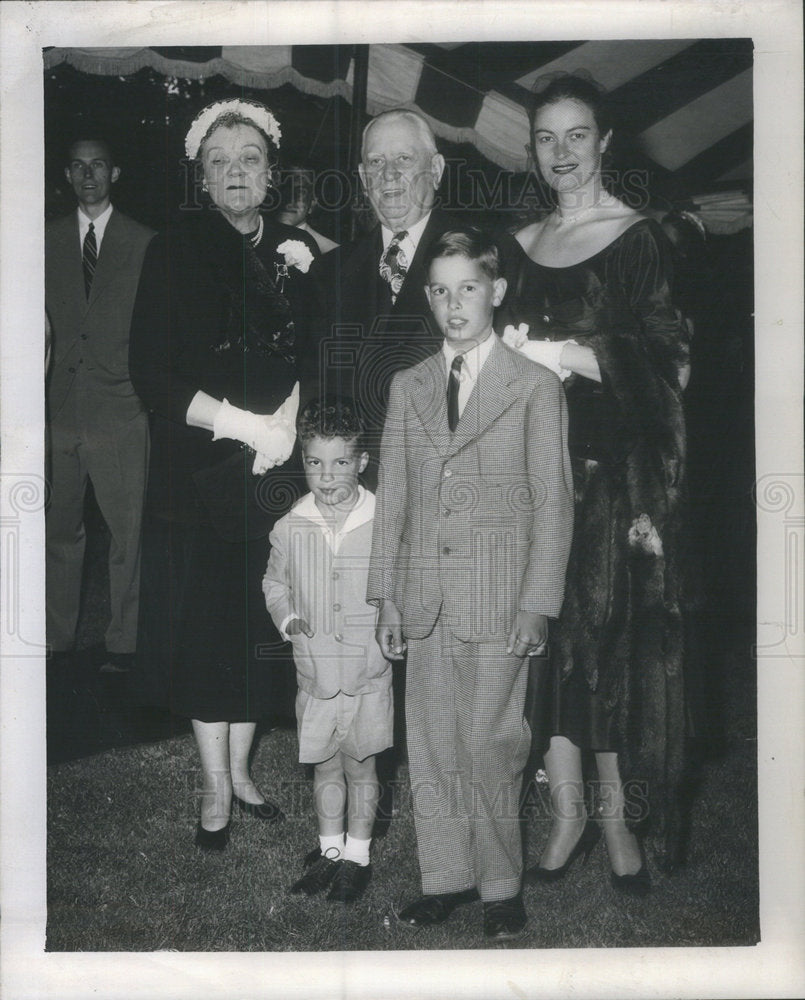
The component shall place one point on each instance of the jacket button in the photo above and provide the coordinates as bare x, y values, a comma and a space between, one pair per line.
448, 473
446, 550
71, 370
335, 576
336, 607
338, 637
446, 512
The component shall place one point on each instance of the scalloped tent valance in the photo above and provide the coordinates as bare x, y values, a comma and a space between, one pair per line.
688, 101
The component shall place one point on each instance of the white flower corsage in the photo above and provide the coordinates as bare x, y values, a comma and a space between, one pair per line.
202, 123
297, 254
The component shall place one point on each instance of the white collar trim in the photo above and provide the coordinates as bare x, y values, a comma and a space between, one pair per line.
363, 511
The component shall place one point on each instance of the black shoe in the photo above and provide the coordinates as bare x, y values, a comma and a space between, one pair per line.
212, 840
590, 836
638, 884
117, 663
262, 810
505, 919
350, 881
434, 908
319, 873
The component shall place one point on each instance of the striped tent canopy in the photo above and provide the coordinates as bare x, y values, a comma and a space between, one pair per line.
688, 102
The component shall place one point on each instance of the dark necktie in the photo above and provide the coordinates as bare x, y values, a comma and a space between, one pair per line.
394, 264
453, 383
89, 258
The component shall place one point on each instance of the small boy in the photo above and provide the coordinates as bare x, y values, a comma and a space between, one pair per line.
315, 589
472, 533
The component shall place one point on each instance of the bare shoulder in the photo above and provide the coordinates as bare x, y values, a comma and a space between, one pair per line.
529, 236
619, 219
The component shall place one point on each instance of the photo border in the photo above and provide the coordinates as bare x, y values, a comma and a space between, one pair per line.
775, 967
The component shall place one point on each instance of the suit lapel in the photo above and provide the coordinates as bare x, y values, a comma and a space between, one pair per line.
73, 269
491, 395
360, 274
429, 400
412, 299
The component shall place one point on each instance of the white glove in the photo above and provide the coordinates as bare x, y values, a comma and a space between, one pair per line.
279, 435
515, 337
544, 352
271, 435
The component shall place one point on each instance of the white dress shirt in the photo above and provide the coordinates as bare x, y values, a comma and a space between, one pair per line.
99, 223
474, 360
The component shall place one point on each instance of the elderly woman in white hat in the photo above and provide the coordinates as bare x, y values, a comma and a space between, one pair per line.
214, 340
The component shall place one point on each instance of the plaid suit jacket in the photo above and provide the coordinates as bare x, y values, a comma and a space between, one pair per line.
477, 523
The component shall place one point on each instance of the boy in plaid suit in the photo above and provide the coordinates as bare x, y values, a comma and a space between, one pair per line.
471, 537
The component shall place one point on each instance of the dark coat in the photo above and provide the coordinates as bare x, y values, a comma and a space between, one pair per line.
197, 291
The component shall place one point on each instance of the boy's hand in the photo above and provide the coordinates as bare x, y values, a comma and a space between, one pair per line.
388, 632
529, 634
297, 625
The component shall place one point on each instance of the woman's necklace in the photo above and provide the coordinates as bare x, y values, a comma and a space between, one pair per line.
579, 215
255, 240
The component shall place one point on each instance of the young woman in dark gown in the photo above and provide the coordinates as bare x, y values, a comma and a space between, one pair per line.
213, 356
589, 296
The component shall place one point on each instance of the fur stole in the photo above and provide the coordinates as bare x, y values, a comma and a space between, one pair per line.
623, 622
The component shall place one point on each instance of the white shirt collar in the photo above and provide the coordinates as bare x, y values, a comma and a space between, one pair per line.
99, 224
363, 511
474, 358
411, 241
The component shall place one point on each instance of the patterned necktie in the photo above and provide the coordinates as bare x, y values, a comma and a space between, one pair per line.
453, 383
89, 258
394, 264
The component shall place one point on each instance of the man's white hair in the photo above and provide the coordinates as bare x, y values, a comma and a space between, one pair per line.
424, 131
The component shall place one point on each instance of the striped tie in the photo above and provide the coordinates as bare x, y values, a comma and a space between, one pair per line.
453, 385
89, 258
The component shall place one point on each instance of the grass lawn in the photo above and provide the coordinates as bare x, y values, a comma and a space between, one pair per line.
124, 874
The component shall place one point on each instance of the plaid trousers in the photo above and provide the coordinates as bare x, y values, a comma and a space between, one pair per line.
467, 746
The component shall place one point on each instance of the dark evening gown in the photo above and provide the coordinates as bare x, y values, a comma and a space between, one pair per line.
213, 314
616, 677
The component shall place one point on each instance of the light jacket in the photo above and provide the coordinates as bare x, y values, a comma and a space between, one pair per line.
321, 577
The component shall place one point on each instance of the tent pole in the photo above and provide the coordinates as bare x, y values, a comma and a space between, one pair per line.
359, 87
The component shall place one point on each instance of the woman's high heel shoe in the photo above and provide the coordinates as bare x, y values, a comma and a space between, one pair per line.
590, 836
212, 840
638, 884
262, 810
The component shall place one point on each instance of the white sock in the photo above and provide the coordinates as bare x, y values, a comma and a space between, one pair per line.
332, 847
357, 850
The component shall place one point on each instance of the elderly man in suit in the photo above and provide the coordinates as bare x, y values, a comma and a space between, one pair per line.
377, 319
98, 426
472, 532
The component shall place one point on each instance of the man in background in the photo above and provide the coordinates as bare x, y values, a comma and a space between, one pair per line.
97, 425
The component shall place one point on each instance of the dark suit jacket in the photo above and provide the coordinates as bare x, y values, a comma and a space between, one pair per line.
90, 354
362, 339
476, 523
